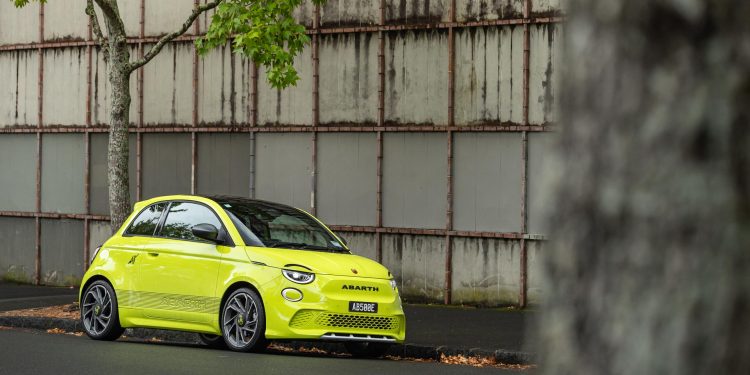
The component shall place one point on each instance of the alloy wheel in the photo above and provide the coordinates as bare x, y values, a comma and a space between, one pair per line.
240, 320
96, 309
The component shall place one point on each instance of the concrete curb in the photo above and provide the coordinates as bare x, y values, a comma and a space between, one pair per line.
398, 350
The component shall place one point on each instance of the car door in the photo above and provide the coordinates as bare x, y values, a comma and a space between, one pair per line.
177, 277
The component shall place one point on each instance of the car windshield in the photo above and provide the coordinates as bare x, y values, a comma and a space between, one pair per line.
277, 225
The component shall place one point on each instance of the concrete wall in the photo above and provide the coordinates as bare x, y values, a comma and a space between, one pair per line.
218, 93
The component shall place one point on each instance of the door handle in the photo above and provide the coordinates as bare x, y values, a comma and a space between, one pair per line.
153, 254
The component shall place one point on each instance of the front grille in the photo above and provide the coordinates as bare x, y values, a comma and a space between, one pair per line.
307, 319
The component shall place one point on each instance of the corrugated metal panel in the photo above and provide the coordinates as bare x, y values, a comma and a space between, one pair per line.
540, 165
101, 102
67, 20
18, 171
293, 105
343, 13
19, 74
489, 75
223, 164
349, 81
543, 73
166, 16
545, 7
65, 86
242, 90
414, 180
215, 77
534, 254
99, 232
62, 252
62, 173
486, 271
17, 262
303, 14
417, 11
98, 186
417, 262
166, 164
487, 182
19, 25
283, 168
416, 77
347, 181
480, 10
168, 86
362, 244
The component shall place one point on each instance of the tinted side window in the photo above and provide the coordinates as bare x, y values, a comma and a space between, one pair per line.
183, 216
147, 220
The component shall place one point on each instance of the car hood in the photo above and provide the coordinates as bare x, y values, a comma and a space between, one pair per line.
319, 262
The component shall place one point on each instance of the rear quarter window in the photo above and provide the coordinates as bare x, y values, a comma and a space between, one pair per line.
145, 223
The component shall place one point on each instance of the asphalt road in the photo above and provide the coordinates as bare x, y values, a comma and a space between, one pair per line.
14, 296
36, 352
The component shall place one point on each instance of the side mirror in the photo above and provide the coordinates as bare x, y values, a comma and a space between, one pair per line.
207, 232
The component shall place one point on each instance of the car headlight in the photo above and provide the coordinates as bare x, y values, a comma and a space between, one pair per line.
298, 277
393, 284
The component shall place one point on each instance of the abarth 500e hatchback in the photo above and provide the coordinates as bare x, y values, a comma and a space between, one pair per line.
239, 272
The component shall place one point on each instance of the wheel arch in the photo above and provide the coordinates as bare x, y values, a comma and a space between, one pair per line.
237, 285
90, 281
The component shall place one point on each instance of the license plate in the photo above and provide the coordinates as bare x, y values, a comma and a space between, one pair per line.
365, 307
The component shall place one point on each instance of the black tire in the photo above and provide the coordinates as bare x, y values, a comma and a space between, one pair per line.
213, 341
100, 316
241, 314
367, 349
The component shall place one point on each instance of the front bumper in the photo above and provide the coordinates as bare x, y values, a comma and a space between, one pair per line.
323, 312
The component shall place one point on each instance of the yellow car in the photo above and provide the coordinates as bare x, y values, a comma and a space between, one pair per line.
240, 272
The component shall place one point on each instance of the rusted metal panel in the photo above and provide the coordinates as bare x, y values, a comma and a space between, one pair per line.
99, 232
487, 182
242, 94
359, 243
349, 81
293, 105
535, 254
347, 178
485, 271
283, 168
414, 187
304, 13
343, 13
65, 87
17, 166
18, 25
539, 166
168, 92
61, 244
481, 10
417, 11
19, 74
546, 7
543, 73
98, 186
166, 16
489, 69
415, 83
101, 101
68, 21
62, 173
166, 164
223, 164
417, 264
17, 263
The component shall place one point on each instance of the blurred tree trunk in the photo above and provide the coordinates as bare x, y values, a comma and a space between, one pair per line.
649, 266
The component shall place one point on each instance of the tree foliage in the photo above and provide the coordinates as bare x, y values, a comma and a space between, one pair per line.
264, 31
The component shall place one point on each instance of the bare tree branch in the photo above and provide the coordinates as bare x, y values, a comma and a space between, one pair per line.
169, 37
97, 29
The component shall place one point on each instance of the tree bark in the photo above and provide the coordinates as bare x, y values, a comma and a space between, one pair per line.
118, 65
649, 266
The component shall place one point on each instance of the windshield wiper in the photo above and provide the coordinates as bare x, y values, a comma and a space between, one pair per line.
303, 246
